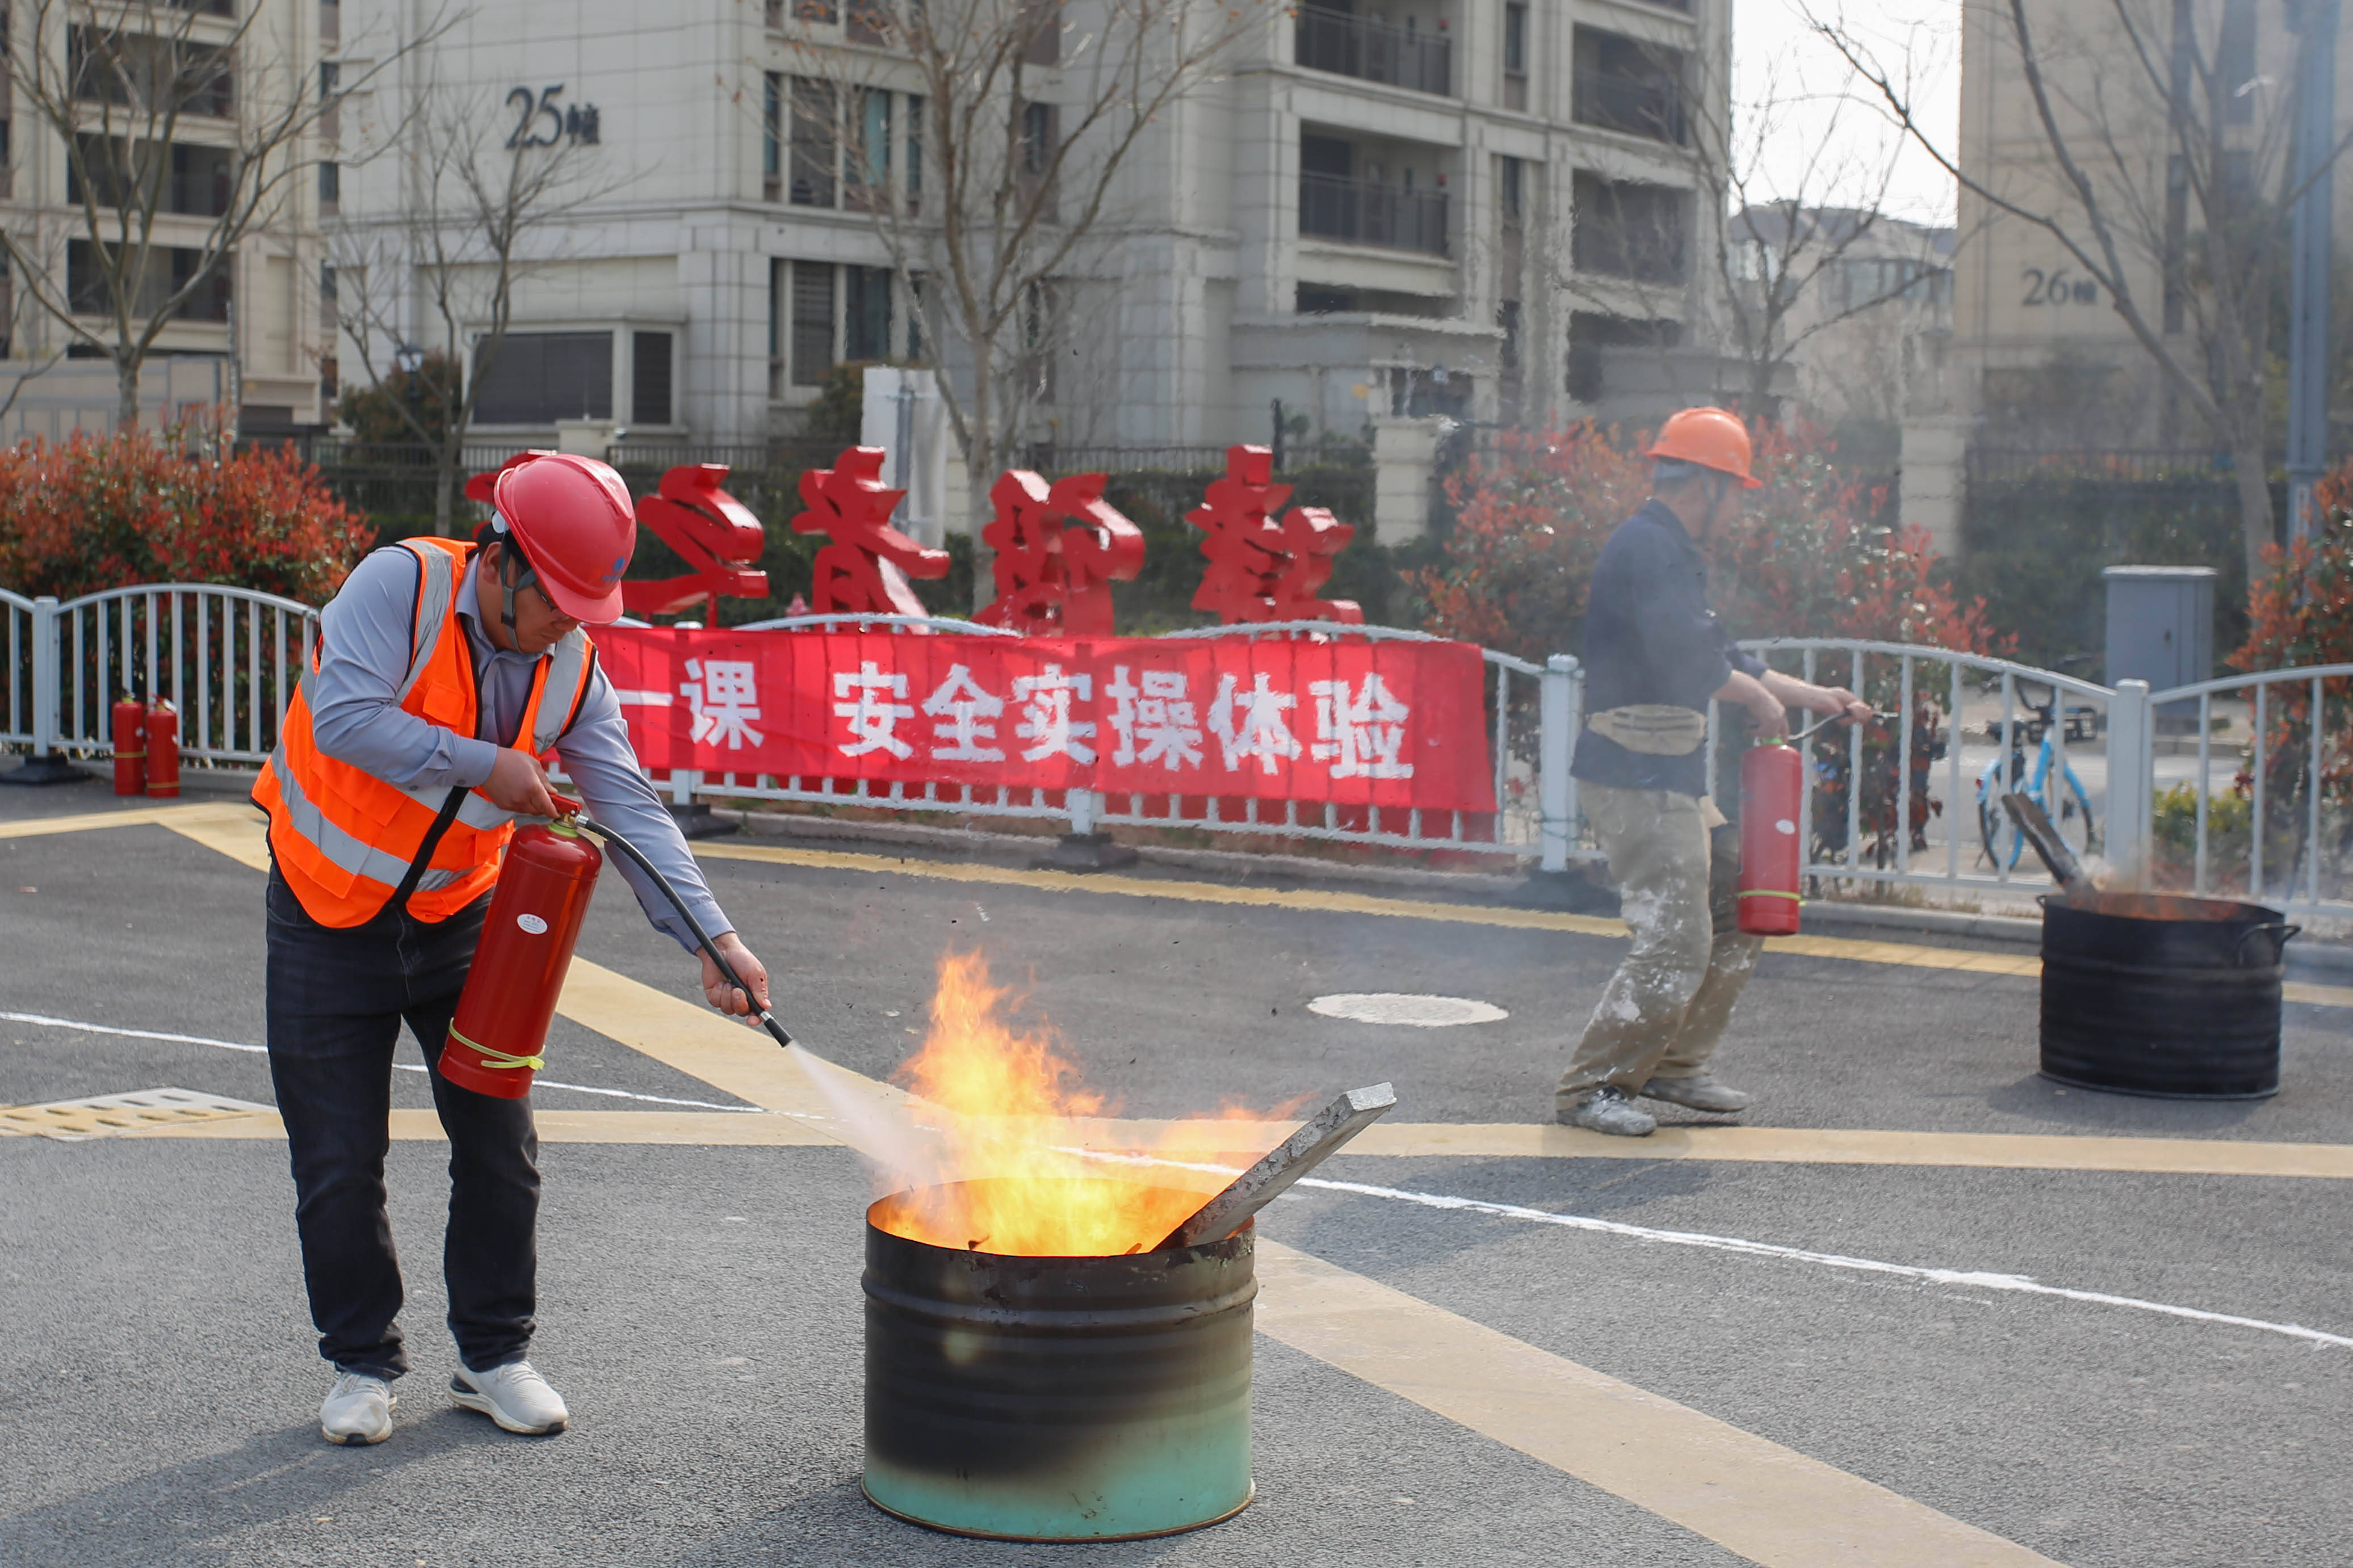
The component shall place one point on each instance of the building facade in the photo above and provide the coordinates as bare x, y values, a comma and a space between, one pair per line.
2040, 355
1372, 217
260, 334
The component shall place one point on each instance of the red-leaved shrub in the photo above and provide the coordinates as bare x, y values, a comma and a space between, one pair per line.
1808, 557
112, 510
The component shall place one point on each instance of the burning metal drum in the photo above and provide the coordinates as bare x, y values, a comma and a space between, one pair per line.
2151, 994
1055, 1398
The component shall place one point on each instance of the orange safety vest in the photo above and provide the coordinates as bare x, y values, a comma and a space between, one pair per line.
347, 842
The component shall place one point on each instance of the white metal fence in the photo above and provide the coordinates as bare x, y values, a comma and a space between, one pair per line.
2261, 809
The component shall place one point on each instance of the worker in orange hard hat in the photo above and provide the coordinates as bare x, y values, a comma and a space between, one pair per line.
1655, 656
445, 672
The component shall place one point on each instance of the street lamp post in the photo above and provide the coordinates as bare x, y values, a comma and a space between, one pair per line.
2308, 377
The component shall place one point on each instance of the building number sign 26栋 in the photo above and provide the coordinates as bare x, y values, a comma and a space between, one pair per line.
2056, 288
540, 124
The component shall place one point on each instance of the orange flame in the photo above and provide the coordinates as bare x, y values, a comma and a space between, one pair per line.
1015, 1110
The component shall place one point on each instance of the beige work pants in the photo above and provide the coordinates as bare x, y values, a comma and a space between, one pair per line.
1665, 1008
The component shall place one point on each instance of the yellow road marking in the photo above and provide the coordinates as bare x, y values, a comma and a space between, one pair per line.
1766, 1503
2024, 966
134, 817
1738, 1145
242, 835
237, 831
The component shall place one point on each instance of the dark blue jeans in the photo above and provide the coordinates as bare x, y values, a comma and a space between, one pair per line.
336, 1000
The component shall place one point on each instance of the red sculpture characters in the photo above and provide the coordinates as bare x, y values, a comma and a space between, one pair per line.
1059, 550
712, 531
1262, 570
864, 569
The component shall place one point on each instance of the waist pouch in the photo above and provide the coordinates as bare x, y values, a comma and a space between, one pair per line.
1652, 729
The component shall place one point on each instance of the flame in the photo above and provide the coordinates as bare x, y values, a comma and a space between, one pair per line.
1008, 1112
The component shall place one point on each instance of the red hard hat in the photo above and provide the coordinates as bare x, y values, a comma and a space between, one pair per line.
575, 520
1711, 437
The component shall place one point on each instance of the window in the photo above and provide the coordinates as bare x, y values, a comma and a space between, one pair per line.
1626, 229
538, 378
772, 139
649, 378
869, 22
197, 184
1515, 56
1624, 84
1040, 129
170, 268
329, 305
814, 143
1507, 316
1045, 43
914, 153
331, 21
1591, 334
870, 168
330, 110
866, 314
780, 274
126, 69
330, 188
2234, 63
1508, 192
812, 322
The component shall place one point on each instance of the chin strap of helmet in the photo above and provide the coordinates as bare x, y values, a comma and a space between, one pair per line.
515, 574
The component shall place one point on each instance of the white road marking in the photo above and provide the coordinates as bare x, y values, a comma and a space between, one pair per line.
1967, 1277
1413, 1010
1973, 1279
398, 1066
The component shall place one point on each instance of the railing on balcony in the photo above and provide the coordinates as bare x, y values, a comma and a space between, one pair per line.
1639, 106
1363, 212
1374, 51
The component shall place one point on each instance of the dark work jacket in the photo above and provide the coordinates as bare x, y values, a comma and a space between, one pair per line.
1650, 637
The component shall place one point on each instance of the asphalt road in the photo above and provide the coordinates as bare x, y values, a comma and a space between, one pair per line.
158, 1379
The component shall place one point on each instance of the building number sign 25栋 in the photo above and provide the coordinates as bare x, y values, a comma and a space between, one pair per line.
2056, 288
540, 124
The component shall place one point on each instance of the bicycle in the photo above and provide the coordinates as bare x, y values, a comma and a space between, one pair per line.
1831, 761
2064, 800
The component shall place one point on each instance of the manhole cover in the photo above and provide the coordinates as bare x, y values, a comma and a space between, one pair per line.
1397, 1007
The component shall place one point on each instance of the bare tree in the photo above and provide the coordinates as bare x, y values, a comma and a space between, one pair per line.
2167, 162
1032, 112
1790, 229
447, 260
119, 82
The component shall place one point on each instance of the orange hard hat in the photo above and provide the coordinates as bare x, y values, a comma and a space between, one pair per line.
575, 522
1711, 437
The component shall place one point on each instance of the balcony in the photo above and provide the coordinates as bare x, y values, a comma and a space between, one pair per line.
1639, 106
1362, 211
1346, 45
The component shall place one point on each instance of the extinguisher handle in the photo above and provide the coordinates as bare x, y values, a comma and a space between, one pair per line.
702, 940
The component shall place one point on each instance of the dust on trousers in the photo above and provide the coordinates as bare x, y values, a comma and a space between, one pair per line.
1678, 879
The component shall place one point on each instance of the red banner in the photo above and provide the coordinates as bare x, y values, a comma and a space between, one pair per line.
1354, 722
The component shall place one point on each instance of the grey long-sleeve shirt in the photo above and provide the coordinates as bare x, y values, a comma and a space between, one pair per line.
355, 719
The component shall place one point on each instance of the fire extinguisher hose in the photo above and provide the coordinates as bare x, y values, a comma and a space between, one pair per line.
702, 938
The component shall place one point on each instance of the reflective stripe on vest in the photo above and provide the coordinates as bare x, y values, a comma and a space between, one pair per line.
346, 840
359, 857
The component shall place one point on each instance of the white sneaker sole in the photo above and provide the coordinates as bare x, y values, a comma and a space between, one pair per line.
360, 1439
470, 1399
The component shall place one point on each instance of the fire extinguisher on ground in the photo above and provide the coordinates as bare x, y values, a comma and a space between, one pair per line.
130, 747
163, 750
1772, 854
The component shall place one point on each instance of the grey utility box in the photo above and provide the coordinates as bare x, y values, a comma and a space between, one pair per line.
2161, 630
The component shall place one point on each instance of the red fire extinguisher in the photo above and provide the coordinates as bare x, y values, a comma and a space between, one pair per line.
1771, 856
527, 940
163, 750
130, 747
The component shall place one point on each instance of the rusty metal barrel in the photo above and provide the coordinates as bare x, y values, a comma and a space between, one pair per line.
1056, 1398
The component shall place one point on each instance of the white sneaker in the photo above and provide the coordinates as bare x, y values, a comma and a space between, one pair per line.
358, 1410
514, 1396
